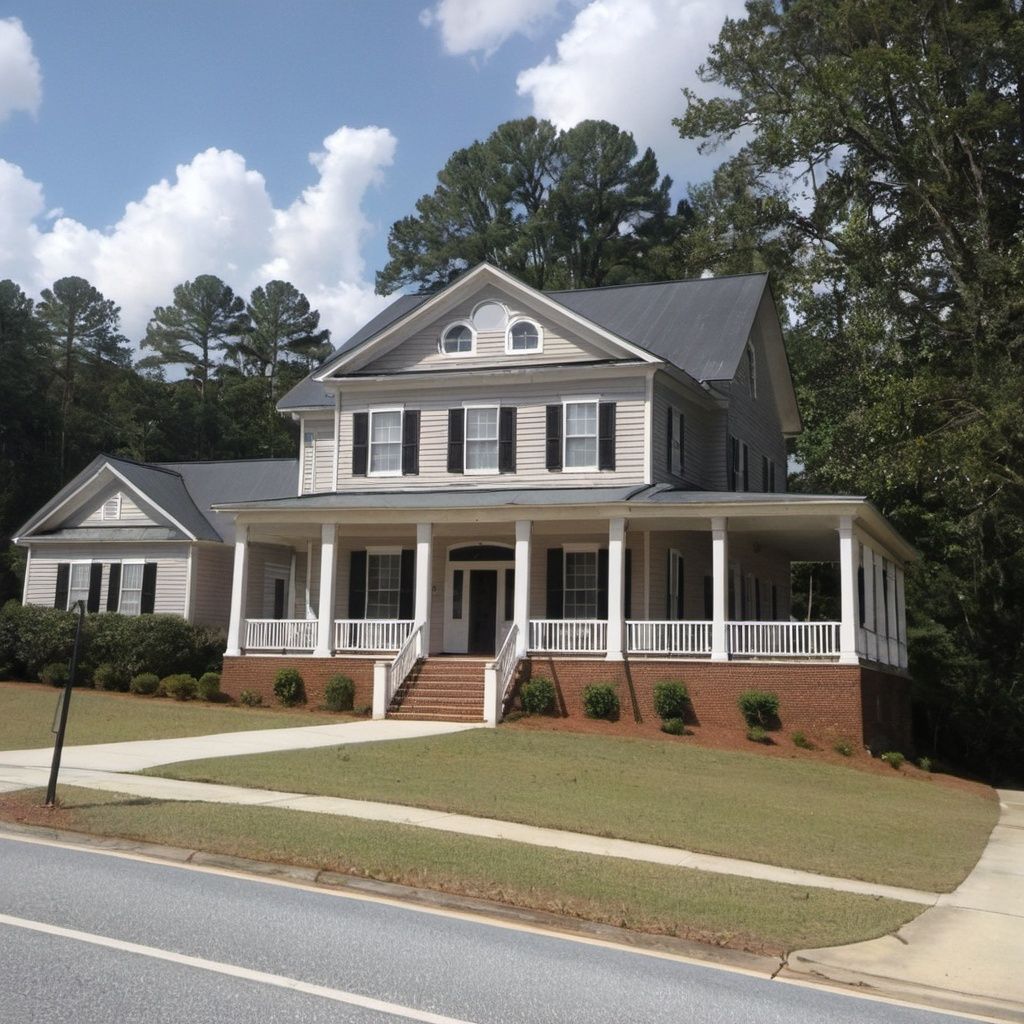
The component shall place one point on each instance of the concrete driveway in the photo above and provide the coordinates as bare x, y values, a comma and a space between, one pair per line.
966, 952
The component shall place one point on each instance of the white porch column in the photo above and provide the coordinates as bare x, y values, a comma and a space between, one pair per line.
890, 595
848, 593
328, 575
521, 600
424, 573
239, 583
870, 648
616, 587
719, 588
901, 618
881, 626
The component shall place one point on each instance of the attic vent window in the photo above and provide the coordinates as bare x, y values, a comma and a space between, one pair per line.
111, 508
457, 339
490, 316
524, 336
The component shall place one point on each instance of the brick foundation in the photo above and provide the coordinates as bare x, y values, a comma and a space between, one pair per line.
251, 672
826, 701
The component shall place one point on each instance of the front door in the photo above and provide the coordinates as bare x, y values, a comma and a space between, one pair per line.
483, 610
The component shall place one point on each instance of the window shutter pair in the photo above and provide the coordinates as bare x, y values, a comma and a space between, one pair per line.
555, 417
63, 587
555, 591
410, 442
506, 440
357, 584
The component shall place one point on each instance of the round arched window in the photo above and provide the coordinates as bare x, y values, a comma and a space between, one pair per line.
524, 336
457, 338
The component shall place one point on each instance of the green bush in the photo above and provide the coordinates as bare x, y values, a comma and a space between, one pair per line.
289, 688
758, 734
55, 674
673, 726
145, 684
925, 764
600, 701
759, 708
894, 759
671, 700
107, 676
180, 686
801, 741
365, 710
31, 638
250, 698
844, 747
209, 686
339, 693
537, 696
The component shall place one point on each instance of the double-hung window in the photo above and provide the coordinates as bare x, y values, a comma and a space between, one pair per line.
78, 582
580, 585
130, 602
386, 442
482, 439
383, 584
580, 435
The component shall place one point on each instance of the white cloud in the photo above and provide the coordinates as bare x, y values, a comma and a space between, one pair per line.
626, 61
21, 83
215, 217
469, 26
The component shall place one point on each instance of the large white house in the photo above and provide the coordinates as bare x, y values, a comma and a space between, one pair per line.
509, 475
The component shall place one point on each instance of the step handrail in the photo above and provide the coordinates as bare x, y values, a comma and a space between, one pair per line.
499, 676
388, 676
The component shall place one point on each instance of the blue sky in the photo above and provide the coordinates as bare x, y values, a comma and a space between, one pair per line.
103, 104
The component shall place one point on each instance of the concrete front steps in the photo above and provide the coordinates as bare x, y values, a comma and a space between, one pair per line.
441, 689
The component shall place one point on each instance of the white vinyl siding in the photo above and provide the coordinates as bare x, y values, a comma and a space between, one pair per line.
317, 456
211, 584
110, 500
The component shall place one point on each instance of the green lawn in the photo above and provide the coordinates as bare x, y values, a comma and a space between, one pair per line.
724, 910
801, 814
26, 716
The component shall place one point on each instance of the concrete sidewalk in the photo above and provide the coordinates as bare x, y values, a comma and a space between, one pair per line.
967, 952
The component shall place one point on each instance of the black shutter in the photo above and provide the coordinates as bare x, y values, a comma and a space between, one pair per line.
606, 435
757, 599
114, 587
627, 604
60, 597
775, 603
709, 598
730, 463
682, 444
507, 439
602, 583
411, 442
148, 588
746, 467
510, 594
668, 455
95, 582
554, 583
860, 593
357, 585
553, 447
360, 442
668, 585
407, 583
764, 473
456, 440
680, 580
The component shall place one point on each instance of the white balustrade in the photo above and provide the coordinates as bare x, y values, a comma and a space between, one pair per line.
569, 636
371, 634
784, 639
668, 637
281, 634
388, 676
499, 676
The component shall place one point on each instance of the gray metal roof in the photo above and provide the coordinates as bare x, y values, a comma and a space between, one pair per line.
700, 325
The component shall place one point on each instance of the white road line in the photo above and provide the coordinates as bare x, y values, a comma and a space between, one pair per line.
232, 970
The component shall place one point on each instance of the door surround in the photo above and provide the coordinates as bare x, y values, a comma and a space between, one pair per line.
456, 630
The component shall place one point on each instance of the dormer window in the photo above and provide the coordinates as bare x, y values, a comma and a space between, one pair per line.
457, 339
524, 336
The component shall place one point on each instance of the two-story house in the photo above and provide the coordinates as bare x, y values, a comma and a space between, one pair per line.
592, 481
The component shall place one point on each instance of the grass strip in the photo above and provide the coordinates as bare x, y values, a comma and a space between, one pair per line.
800, 814
761, 917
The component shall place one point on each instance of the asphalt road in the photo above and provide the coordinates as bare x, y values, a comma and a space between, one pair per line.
87, 937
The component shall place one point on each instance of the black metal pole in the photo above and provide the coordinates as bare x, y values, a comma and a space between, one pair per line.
51, 789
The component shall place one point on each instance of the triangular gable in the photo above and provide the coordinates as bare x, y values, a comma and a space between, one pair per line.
769, 330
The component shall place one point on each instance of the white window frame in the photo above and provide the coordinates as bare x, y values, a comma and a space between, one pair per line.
472, 339
116, 498
370, 471
509, 350
581, 549
71, 578
378, 551
596, 403
465, 439
121, 587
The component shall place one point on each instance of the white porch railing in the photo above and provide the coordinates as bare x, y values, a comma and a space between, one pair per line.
371, 634
668, 637
388, 676
281, 634
569, 636
784, 639
498, 677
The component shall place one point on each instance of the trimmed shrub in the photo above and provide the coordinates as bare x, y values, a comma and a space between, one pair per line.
759, 708
339, 693
250, 698
180, 686
671, 700
600, 701
289, 688
758, 734
844, 747
894, 759
537, 696
801, 741
673, 726
32, 638
209, 686
145, 684
56, 673
925, 764
106, 676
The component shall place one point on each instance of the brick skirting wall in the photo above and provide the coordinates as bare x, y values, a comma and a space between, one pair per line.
251, 672
826, 701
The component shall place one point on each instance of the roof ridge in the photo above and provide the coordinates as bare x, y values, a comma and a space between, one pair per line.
221, 462
649, 284
156, 466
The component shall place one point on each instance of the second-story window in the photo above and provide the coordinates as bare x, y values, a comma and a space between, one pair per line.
482, 440
580, 435
386, 442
